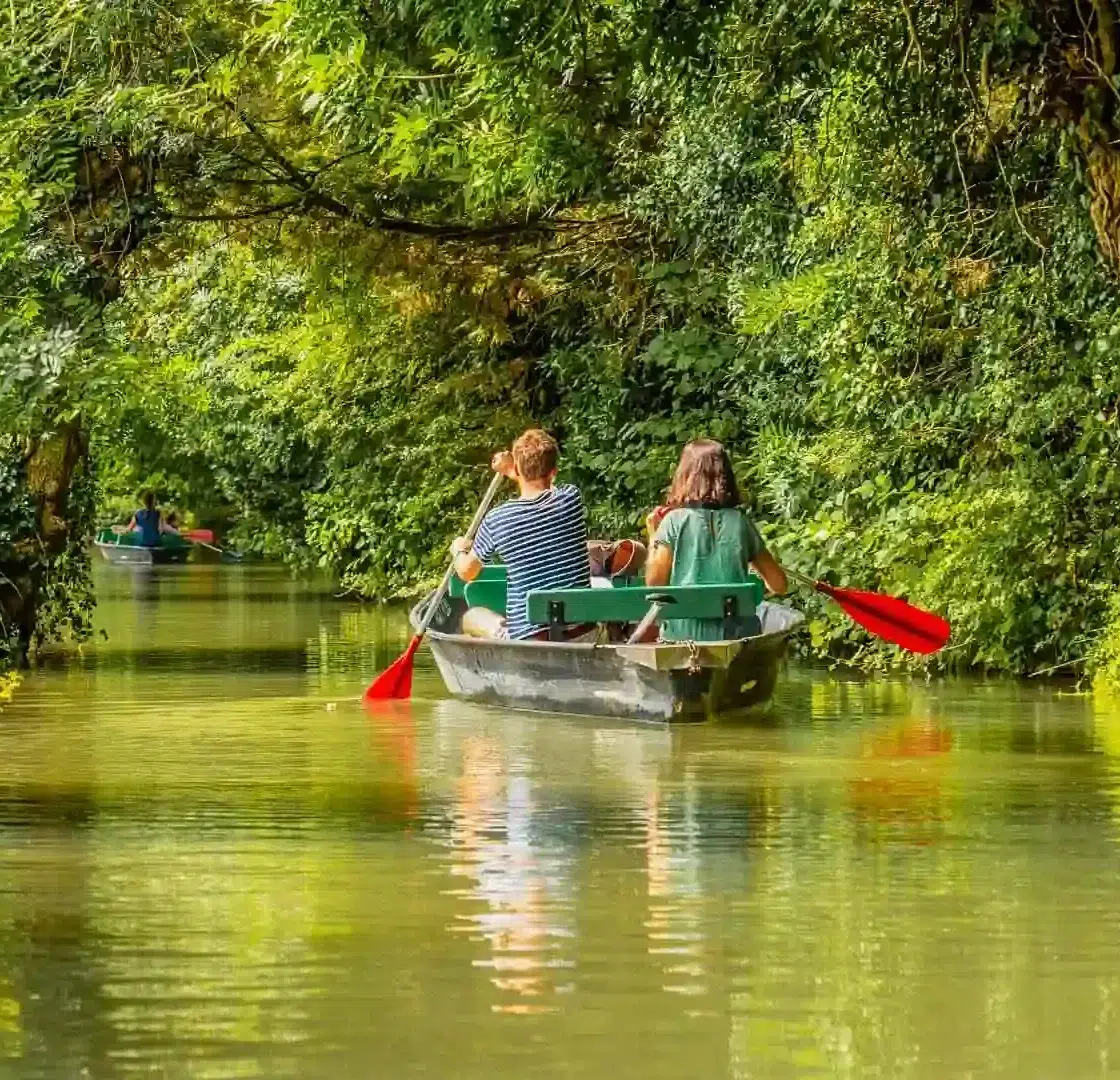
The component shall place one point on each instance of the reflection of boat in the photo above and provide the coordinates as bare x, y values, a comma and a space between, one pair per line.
125, 549
666, 681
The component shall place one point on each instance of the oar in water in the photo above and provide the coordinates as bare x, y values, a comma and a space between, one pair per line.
224, 552
887, 617
396, 680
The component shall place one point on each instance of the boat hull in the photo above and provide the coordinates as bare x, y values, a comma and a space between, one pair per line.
664, 683
135, 555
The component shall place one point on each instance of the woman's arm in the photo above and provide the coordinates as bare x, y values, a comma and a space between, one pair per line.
770, 570
132, 526
659, 565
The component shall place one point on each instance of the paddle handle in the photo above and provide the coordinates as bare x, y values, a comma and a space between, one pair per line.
648, 619
476, 522
803, 578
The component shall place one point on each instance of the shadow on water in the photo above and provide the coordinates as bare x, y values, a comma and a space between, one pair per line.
199, 660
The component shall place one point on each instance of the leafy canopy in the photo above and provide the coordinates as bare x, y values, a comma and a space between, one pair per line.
307, 262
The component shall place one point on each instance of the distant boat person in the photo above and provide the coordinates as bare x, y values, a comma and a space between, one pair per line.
149, 522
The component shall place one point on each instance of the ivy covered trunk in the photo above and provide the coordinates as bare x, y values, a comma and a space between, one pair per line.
46, 511
1104, 178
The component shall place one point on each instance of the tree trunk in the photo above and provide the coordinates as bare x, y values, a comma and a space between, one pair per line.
1104, 206
50, 463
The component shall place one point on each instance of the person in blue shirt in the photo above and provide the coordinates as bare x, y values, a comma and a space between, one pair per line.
148, 522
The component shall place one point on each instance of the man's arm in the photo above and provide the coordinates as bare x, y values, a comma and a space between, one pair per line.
467, 564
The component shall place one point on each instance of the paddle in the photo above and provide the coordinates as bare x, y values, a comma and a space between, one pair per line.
887, 617
396, 680
224, 552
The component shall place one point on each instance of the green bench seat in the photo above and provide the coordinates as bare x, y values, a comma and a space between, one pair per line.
559, 608
487, 590
457, 589
488, 594
620, 604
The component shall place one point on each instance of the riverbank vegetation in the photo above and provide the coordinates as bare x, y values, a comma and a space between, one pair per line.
307, 263
1105, 657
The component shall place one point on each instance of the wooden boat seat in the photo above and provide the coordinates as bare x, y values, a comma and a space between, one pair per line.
488, 590
457, 589
487, 593
630, 604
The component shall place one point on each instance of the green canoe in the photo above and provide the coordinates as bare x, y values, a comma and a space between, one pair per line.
125, 549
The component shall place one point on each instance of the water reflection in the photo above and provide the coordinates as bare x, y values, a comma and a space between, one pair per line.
214, 862
898, 786
519, 894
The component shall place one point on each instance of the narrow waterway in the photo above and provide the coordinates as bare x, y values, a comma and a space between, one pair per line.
214, 863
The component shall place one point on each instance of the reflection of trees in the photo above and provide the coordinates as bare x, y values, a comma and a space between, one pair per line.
352, 643
187, 885
48, 955
860, 951
912, 880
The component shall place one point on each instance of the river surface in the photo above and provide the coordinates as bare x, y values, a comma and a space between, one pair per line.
214, 863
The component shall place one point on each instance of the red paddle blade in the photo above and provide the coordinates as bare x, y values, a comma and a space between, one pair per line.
891, 619
396, 680
206, 536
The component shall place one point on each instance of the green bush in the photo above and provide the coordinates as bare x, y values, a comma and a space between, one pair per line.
1104, 662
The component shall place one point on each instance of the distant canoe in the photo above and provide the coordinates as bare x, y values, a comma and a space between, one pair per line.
665, 682
124, 549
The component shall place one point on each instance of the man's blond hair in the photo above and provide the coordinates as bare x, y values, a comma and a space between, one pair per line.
535, 453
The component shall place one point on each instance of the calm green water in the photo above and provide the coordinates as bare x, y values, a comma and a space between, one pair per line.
213, 863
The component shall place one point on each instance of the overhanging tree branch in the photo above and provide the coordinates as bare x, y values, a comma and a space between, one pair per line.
313, 197
242, 215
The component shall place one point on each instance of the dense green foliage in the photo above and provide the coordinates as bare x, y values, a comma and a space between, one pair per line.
311, 260
1105, 659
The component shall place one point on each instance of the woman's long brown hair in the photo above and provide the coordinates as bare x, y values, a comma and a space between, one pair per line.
704, 477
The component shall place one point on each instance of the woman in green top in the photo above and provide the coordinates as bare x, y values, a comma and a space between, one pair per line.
702, 537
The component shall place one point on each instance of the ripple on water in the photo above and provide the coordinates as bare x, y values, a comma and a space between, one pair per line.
214, 864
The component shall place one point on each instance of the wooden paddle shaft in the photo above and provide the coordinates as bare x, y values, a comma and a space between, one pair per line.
648, 619
212, 547
803, 578
476, 522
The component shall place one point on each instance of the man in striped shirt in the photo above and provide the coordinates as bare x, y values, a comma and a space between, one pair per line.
541, 536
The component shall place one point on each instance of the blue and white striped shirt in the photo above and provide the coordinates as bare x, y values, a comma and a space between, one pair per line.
543, 542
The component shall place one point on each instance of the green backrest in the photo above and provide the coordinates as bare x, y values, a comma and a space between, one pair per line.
488, 594
630, 603
457, 588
